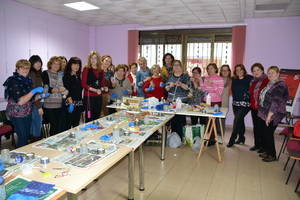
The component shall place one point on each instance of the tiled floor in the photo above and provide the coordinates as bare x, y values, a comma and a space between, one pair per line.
241, 176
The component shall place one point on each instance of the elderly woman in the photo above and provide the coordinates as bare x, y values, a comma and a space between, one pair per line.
142, 76
258, 83
154, 87
178, 86
19, 93
120, 83
271, 110
106, 66
54, 112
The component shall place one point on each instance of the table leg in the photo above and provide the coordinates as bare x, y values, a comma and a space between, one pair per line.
141, 168
216, 139
222, 131
204, 137
163, 142
71, 196
131, 175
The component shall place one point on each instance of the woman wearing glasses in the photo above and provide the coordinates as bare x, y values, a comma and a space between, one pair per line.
178, 85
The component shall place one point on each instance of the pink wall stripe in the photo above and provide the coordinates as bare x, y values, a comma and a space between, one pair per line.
238, 44
133, 45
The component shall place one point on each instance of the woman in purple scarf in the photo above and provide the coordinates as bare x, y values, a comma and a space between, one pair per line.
272, 109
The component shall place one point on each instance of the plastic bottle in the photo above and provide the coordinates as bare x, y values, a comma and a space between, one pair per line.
2, 189
216, 108
208, 99
178, 103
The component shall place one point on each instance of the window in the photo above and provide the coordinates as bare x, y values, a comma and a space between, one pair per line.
154, 52
195, 48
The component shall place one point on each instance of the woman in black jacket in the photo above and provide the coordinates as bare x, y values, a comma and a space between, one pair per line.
240, 103
72, 83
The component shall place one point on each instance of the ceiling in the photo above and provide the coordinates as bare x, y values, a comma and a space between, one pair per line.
168, 12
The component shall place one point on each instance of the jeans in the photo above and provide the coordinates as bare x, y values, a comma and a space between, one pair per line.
240, 113
22, 128
36, 123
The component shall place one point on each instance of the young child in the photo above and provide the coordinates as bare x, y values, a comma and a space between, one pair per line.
154, 87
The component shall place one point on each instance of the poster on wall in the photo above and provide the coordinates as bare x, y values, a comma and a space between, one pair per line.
292, 79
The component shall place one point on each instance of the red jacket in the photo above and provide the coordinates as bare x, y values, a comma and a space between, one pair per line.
158, 91
254, 95
86, 81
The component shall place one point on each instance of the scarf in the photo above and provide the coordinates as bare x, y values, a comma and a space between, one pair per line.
265, 90
16, 81
256, 90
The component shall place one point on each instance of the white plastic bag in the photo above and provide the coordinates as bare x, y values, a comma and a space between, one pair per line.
196, 144
173, 140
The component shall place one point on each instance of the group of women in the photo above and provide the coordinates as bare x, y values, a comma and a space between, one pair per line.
61, 93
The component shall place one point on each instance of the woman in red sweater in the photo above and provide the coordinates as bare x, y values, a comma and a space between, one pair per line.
154, 87
259, 82
93, 83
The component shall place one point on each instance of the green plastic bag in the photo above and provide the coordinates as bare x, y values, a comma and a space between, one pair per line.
192, 131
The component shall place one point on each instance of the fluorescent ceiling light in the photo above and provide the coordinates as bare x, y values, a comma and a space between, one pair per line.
81, 6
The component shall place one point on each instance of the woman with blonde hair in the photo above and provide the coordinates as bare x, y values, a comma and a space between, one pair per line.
93, 83
54, 112
142, 76
19, 94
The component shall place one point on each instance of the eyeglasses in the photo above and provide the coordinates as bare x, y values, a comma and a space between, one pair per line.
195, 73
224, 70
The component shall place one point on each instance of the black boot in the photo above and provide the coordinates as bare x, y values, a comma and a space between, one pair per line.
230, 143
241, 140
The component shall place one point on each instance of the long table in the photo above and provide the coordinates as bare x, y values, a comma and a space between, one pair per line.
210, 131
81, 177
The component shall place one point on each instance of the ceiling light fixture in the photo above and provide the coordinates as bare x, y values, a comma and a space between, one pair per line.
81, 6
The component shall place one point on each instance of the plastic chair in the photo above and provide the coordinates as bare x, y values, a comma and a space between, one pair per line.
293, 148
7, 128
297, 186
288, 129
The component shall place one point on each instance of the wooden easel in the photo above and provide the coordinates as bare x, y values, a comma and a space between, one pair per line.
210, 130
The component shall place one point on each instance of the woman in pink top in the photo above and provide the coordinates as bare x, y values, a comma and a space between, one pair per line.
213, 84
